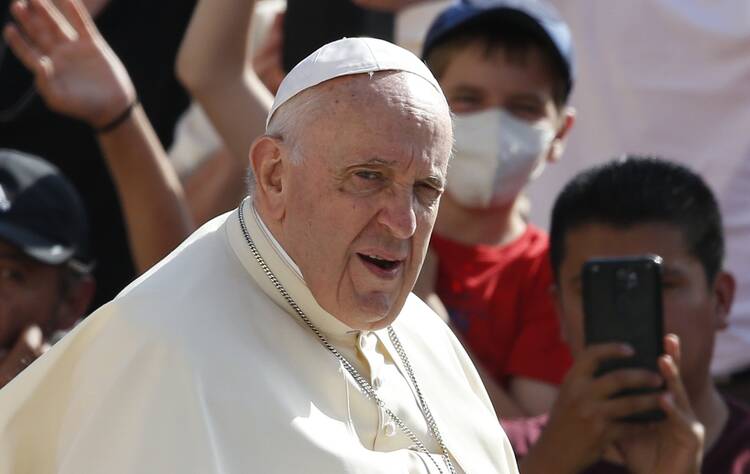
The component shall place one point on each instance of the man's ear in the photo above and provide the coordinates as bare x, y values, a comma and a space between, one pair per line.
567, 119
75, 302
723, 291
266, 161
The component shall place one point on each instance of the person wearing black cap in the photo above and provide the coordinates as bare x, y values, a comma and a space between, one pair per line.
506, 68
45, 279
77, 75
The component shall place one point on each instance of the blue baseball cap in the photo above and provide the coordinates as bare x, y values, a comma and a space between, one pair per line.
539, 16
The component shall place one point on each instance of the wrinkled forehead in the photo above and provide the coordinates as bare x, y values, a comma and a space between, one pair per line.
389, 103
394, 89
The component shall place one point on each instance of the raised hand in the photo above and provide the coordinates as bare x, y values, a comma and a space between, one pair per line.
385, 5
673, 446
267, 61
584, 421
76, 72
29, 346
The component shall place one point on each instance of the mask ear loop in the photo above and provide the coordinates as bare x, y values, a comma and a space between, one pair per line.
539, 168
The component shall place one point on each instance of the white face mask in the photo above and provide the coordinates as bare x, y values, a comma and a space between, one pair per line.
496, 154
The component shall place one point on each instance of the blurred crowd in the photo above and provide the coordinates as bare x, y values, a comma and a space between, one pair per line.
583, 129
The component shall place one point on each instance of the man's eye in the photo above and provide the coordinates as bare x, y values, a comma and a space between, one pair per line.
365, 181
369, 175
428, 195
11, 275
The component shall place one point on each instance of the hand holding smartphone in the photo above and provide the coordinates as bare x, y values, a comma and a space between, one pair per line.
622, 302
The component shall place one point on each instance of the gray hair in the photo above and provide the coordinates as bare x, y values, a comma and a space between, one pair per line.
290, 120
287, 124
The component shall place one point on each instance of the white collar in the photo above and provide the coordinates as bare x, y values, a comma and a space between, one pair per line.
284, 269
276, 245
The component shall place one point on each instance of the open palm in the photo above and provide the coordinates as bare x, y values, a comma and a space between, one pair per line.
75, 71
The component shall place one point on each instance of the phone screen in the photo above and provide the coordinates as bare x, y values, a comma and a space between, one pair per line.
622, 301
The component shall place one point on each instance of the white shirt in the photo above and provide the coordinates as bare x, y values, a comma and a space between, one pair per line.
201, 366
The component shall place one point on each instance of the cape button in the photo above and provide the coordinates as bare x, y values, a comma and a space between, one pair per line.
389, 428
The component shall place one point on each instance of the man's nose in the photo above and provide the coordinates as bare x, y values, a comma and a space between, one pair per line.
398, 214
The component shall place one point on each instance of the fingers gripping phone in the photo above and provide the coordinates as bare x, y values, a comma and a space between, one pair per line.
622, 302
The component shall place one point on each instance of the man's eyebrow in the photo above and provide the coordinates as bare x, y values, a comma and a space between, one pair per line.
377, 161
435, 179
15, 258
463, 87
673, 270
531, 96
13, 255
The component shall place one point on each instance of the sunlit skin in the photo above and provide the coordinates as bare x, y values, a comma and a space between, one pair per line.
474, 81
694, 309
29, 295
372, 169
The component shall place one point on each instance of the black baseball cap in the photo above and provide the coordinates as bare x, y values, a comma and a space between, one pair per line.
539, 16
40, 211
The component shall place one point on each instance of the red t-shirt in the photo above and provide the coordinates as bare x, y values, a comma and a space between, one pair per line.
499, 298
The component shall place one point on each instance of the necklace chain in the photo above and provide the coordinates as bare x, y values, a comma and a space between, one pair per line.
361, 381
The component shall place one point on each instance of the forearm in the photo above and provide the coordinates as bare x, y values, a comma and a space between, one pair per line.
156, 214
214, 48
534, 397
505, 405
212, 64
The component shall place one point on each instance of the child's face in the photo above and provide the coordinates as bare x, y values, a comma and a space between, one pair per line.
521, 84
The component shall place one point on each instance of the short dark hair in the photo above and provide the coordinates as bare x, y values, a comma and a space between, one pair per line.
638, 190
497, 31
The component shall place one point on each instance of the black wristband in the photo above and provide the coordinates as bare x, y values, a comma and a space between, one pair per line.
117, 121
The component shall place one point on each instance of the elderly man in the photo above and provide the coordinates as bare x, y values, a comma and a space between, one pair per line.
282, 337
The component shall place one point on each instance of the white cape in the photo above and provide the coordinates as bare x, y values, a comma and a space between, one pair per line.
199, 367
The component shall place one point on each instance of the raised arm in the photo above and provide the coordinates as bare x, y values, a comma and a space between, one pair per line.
78, 75
213, 66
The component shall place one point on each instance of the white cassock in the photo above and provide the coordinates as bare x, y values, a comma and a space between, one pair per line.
200, 366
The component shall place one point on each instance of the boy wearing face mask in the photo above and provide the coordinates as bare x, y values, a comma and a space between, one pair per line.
505, 67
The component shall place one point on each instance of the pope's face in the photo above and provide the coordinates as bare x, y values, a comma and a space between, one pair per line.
361, 202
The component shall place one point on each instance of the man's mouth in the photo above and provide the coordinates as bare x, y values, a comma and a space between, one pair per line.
381, 266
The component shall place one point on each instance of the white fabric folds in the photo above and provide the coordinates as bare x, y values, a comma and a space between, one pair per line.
199, 367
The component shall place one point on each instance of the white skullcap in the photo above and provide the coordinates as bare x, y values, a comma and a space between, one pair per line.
344, 57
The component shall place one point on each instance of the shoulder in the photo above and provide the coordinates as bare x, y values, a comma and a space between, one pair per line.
731, 452
200, 281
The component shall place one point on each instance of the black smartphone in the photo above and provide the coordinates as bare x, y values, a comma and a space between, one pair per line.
622, 302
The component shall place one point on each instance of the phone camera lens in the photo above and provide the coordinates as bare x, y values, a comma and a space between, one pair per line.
632, 281
627, 279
